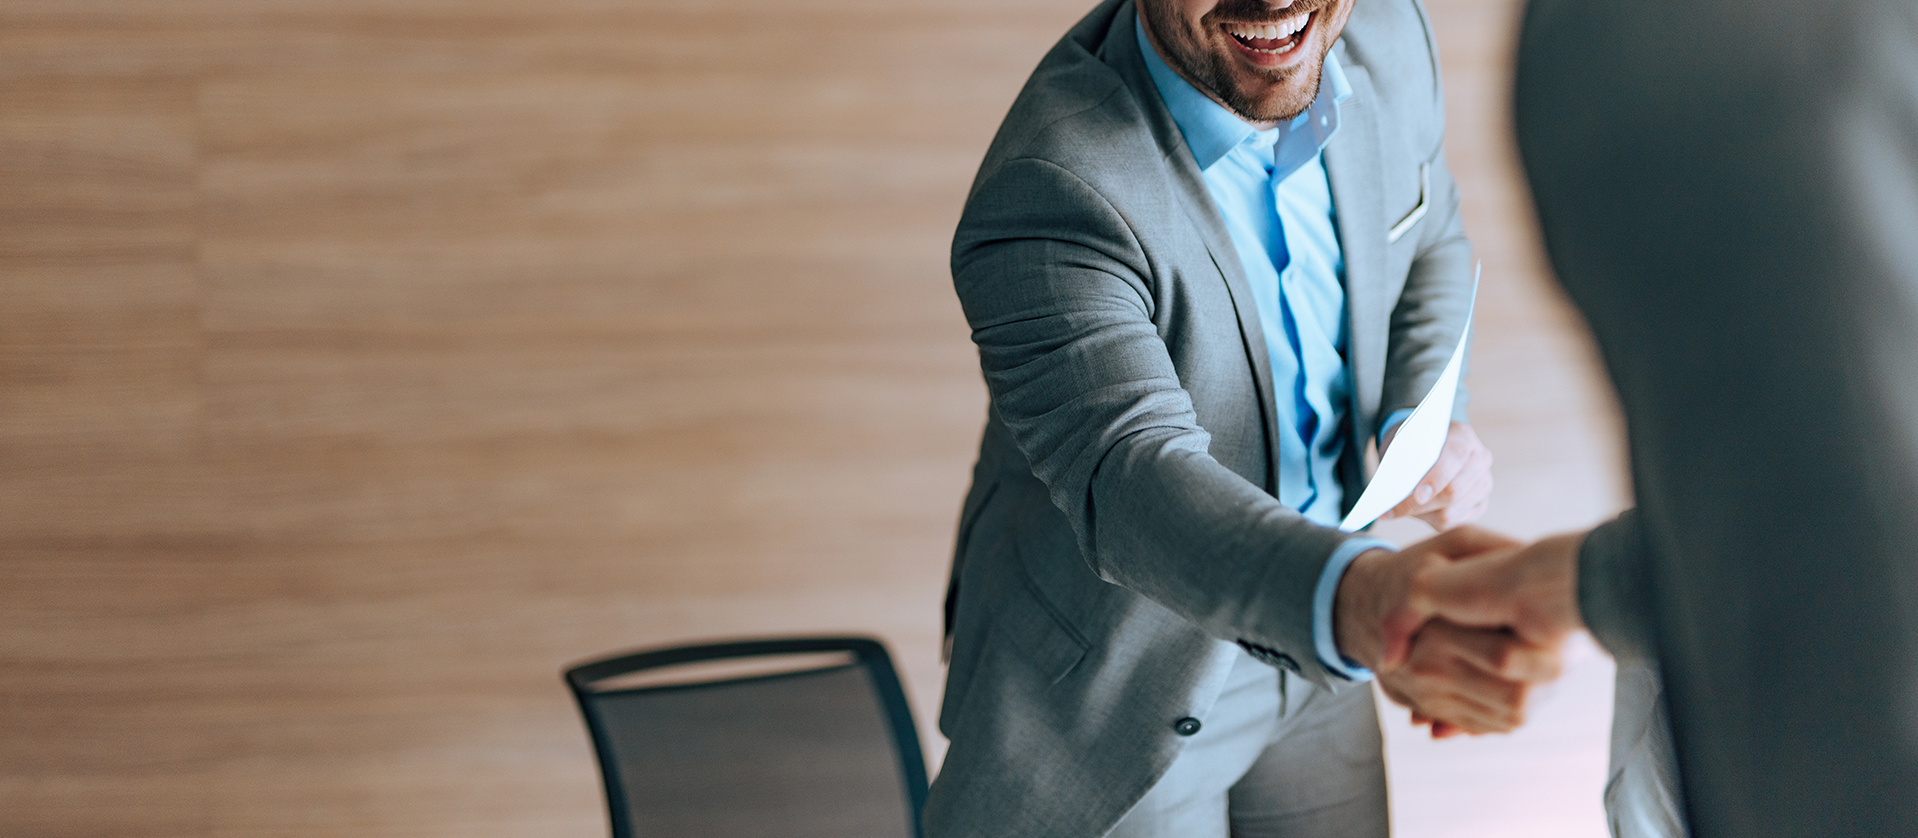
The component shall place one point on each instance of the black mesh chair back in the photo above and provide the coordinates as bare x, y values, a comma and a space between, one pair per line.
815, 739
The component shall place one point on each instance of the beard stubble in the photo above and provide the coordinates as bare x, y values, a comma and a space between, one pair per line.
1217, 73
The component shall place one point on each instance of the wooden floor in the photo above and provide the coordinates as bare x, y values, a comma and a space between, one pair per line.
363, 363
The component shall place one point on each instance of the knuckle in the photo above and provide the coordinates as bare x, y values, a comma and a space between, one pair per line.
1515, 697
1439, 707
1502, 658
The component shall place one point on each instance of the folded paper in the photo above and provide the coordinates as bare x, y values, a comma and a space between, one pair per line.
1419, 440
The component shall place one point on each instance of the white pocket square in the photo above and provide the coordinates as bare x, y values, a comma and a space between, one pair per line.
1418, 212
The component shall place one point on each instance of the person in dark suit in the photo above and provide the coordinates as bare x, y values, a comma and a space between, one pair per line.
1729, 192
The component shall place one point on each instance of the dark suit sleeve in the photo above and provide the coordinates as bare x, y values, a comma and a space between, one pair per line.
1056, 288
1615, 588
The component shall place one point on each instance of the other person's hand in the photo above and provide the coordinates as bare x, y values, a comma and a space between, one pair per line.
1459, 678
1531, 591
1468, 680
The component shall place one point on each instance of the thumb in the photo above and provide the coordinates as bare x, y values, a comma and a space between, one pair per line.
1468, 540
1404, 622
1468, 591
1397, 632
1424, 600
1476, 592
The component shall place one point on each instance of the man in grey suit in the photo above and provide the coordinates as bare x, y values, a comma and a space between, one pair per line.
1729, 191
1213, 252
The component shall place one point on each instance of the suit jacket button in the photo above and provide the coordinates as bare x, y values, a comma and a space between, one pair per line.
1186, 726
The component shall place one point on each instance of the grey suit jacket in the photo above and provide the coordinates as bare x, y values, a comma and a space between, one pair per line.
1729, 192
1121, 531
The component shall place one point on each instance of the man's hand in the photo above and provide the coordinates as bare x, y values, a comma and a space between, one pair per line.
1379, 582
1458, 487
1473, 679
1532, 591
1468, 679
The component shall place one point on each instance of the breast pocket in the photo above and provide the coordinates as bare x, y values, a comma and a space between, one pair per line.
1406, 223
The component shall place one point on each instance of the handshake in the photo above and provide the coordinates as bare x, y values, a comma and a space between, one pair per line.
1460, 626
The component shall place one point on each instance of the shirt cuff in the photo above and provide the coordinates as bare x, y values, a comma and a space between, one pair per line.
1324, 641
1392, 421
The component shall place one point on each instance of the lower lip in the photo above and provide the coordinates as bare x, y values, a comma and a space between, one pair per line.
1266, 59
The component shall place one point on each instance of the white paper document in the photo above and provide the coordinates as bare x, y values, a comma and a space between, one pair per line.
1420, 439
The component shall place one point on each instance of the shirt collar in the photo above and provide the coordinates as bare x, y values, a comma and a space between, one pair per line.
1211, 131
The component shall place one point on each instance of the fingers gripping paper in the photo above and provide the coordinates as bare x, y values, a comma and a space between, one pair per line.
1419, 440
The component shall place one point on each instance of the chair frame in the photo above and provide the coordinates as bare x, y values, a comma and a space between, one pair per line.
870, 654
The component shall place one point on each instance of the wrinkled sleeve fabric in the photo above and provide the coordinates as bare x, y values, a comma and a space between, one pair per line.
1615, 589
1059, 294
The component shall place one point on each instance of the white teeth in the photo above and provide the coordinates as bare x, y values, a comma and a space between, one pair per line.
1270, 31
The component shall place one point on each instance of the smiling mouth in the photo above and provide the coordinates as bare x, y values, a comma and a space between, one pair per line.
1278, 38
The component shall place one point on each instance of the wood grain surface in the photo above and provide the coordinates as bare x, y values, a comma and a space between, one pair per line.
364, 363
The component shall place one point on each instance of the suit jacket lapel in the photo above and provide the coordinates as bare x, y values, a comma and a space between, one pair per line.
1353, 165
1121, 51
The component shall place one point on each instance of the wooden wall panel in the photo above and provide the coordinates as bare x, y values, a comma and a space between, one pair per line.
363, 363
98, 223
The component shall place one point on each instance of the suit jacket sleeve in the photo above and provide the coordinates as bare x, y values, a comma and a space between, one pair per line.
1057, 290
1615, 588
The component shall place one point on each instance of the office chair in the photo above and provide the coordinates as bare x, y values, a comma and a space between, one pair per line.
813, 738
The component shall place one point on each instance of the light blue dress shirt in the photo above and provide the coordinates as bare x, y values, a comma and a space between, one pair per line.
1270, 186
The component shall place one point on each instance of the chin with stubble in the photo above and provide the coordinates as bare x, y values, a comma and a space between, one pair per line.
1261, 60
